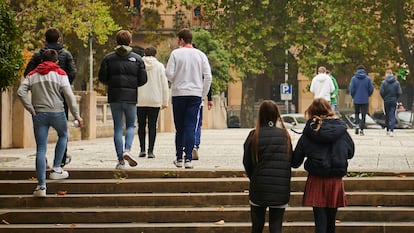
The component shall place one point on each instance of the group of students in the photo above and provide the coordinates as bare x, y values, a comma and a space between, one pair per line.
137, 88
269, 157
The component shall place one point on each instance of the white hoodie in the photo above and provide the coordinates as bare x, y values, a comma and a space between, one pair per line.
322, 86
155, 92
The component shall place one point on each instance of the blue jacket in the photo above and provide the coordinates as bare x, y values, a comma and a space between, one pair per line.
361, 87
327, 150
390, 90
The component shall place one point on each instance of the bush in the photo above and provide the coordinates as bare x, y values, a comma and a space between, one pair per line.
11, 57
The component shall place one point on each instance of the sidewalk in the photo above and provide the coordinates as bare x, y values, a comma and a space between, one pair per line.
222, 149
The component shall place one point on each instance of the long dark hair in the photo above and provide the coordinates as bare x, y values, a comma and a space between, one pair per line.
269, 114
319, 109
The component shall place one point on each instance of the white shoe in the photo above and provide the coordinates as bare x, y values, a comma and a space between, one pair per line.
120, 166
39, 192
188, 164
178, 163
128, 157
58, 174
391, 134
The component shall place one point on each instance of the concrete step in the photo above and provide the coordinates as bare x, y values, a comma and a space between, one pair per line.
191, 185
192, 214
227, 227
188, 199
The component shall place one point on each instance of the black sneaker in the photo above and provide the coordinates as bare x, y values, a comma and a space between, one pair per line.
361, 132
67, 161
142, 154
356, 131
151, 155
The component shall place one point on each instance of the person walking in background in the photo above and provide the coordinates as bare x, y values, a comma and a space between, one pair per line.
200, 124
390, 91
267, 161
123, 71
334, 93
189, 72
152, 97
327, 147
321, 85
48, 84
53, 39
361, 89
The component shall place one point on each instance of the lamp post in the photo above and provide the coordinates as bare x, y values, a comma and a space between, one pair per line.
90, 62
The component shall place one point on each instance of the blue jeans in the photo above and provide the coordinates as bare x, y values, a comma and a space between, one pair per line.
363, 109
198, 130
42, 121
390, 109
129, 111
185, 111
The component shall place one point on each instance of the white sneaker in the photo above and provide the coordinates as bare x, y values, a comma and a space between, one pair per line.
178, 163
55, 174
120, 166
39, 192
188, 164
128, 157
391, 134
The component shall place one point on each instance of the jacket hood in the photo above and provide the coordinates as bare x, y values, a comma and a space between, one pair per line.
361, 74
331, 130
47, 66
123, 50
390, 79
149, 62
322, 77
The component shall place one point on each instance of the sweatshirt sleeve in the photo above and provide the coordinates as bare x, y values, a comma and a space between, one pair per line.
207, 77
23, 93
247, 157
164, 86
298, 154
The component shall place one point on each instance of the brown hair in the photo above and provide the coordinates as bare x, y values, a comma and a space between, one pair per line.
49, 55
150, 51
52, 35
268, 114
319, 110
123, 37
186, 35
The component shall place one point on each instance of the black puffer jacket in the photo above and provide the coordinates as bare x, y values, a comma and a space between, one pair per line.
270, 176
327, 150
65, 60
122, 71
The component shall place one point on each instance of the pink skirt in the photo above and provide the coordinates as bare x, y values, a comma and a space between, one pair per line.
324, 192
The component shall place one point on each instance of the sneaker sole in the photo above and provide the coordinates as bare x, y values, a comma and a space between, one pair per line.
179, 165
130, 161
52, 177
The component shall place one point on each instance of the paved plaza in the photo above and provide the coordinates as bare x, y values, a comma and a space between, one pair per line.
223, 149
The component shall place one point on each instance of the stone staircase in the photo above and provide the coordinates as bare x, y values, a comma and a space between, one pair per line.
201, 201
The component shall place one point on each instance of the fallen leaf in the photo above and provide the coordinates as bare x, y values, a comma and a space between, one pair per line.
338, 221
221, 208
62, 193
73, 225
33, 178
221, 222
402, 175
5, 222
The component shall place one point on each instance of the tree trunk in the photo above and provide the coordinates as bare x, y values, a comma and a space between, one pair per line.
248, 101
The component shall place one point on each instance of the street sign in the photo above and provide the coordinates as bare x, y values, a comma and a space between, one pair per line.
285, 91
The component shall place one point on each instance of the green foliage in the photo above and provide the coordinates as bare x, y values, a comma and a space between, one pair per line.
11, 56
219, 59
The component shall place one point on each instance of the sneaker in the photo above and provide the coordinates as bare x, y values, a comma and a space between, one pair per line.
361, 132
356, 131
120, 166
391, 134
39, 191
388, 133
195, 154
57, 174
151, 155
128, 157
142, 154
188, 164
67, 161
178, 163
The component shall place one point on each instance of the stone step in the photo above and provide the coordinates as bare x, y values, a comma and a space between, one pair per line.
227, 227
191, 185
103, 173
188, 199
192, 214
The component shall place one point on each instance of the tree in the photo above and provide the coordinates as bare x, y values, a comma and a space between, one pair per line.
78, 20
11, 56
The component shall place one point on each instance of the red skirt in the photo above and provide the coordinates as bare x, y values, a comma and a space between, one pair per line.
324, 192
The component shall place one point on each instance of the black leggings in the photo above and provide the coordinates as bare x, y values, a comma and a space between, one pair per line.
258, 219
147, 115
324, 219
